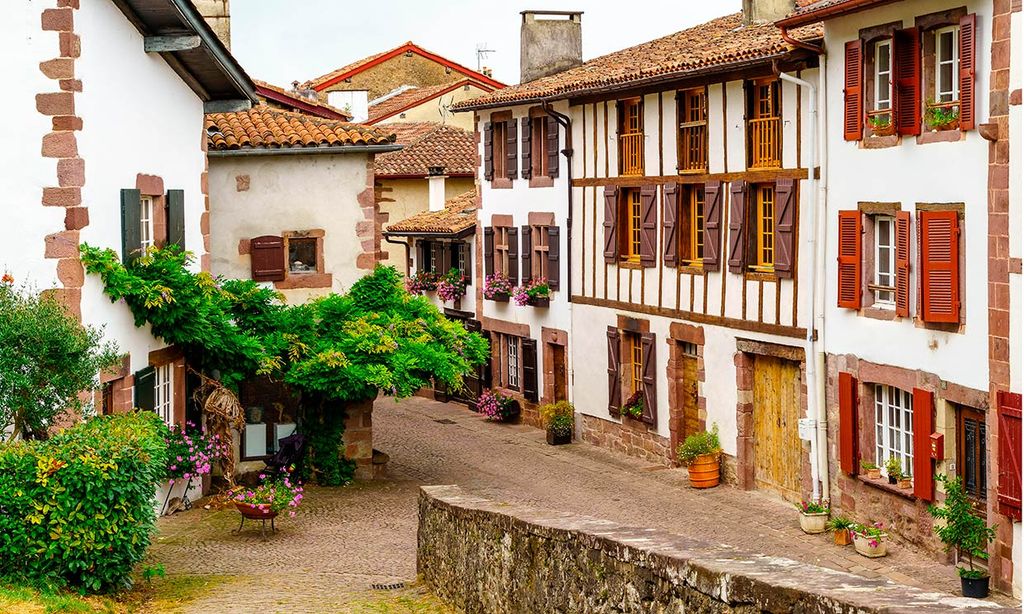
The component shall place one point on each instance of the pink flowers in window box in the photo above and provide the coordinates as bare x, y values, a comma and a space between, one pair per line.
422, 281
452, 286
497, 287
535, 292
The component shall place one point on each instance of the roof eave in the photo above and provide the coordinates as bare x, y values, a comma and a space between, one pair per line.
422, 175
416, 234
305, 105
836, 10
294, 151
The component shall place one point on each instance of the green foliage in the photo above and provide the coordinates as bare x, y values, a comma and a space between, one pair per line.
325, 461
634, 405
867, 465
48, 359
153, 571
840, 523
558, 417
963, 530
699, 444
938, 115
893, 468
78, 509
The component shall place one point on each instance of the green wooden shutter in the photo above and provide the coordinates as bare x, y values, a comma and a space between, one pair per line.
145, 389
176, 218
131, 224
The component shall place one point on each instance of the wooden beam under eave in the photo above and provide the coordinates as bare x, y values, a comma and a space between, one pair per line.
226, 106
166, 44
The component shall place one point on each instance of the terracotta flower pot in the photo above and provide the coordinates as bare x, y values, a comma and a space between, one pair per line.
841, 537
905, 483
704, 471
813, 522
871, 547
255, 512
884, 130
874, 474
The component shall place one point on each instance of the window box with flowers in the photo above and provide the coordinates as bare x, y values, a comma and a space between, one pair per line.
881, 123
421, 282
497, 407
634, 405
942, 116
452, 286
536, 293
497, 287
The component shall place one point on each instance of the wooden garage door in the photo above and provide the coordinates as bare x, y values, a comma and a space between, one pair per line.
777, 446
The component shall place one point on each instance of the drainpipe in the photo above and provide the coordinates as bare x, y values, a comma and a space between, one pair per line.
404, 244
566, 123
815, 244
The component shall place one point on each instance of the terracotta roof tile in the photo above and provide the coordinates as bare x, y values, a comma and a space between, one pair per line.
415, 96
717, 43
427, 145
263, 127
331, 112
458, 215
808, 11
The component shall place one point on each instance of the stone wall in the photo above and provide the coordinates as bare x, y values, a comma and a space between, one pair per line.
481, 556
630, 437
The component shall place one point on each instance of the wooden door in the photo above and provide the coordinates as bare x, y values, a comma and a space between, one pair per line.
559, 372
777, 446
687, 394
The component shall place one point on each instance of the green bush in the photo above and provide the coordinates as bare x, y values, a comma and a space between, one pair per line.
78, 510
698, 444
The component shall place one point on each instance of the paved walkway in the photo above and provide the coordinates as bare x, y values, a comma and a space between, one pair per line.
346, 540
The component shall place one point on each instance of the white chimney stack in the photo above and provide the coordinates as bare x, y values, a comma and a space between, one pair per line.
435, 191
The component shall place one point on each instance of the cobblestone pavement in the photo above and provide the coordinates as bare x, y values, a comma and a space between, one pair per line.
346, 540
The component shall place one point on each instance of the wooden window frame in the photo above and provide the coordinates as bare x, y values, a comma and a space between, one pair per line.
507, 345
963, 415
633, 363
877, 73
540, 248
953, 31
630, 137
538, 147
147, 221
884, 426
692, 120
695, 202
876, 286
630, 221
163, 386
501, 249
764, 124
762, 240
317, 278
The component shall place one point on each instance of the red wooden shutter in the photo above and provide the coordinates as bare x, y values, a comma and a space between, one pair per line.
552, 147
847, 423
924, 482
712, 225
266, 255
670, 231
785, 221
526, 247
967, 62
737, 226
1009, 454
513, 256
614, 362
488, 151
940, 266
489, 250
903, 264
527, 148
648, 225
853, 93
907, 69
554, 257
650, 379
512, 149
611, 224
849, 284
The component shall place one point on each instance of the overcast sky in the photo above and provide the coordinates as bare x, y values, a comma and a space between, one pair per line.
283, 40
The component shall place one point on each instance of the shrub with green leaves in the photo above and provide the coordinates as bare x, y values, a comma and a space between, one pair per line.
964, 532
78, 509
558, 418
698, 444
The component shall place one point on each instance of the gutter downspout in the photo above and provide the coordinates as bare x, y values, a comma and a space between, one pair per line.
566, 123
816, 302
407, 248
786, 36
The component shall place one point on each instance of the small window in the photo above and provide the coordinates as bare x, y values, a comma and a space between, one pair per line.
631, 225
764, 126
461, 255
512, 362
636, 366
501, 249
147, 233
499, 140
764, 218
947, 62
631, 137
539, 261
539, 146
693, 130
883, 75
302, 257
894, 427
164, 393
884, 286
695, 225
971, 452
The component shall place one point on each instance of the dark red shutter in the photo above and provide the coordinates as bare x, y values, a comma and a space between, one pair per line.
1009, 454
849, 284
267, 257
489, 250
650, 379
526, 247
853, 94
554, 257
967, 62
712, 225
669, 226
940, 266
903, 264
530, 370
907, 69
552, 147
488, 151
614, 381
847, 423
648, 225
924, 485
512, 149
785, 225
513, 256
527, 148
737, 226
611, 224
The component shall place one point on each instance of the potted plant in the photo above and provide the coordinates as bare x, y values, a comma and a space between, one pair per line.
840, 527
497, 407
872, 469
452, 286
557, 419
869, 540
893, 469
906, 481
634, 405
701, 453
535, 292
275, 494
422, 281
881, 124
966, 533
497, 287
813, 516
942, 116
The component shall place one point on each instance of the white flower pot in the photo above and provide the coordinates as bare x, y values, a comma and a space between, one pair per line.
813, 522
864, 546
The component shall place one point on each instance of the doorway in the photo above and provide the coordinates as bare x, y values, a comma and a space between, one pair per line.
560, 384
777, 446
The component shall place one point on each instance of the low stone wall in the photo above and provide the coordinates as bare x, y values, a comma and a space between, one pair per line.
630, 437
482, 556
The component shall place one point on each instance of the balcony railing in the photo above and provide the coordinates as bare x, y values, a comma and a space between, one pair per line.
693, 154
631, 154
765, 142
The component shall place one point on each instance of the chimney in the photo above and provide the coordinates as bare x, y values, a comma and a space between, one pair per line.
766, 11
435, 187
550, 42
217, 14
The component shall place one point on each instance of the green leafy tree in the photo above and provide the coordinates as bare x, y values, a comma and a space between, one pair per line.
963, 530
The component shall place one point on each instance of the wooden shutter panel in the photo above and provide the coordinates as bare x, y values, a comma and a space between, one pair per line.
489, 250
437, 258
924, 483
527, 148
512, 149
526, 247
486, 370
850, 258
145, 389
669, 224
611, 224
712, 225
614, 363
853, 92
176, 218
648, 225
650, 414
552, 147
907, 72
847, 423
266, 255
425, 251
783, 231
513, 256
462, 249
737, 226
488, 151
967, 63
940, 266
903, 264
1010, 454
529, 360
131, 225
554, 257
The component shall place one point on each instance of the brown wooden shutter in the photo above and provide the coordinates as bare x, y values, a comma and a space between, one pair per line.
853, 93
488, 151
512, 149
850, 259
144, 391
489, 250
903, 264
529, 360
176, 218
1009, 454
461, 253
712, 225
131, 225
267, 258
783, 232
527, 148
650, 380
611, 224
648, 225
669, 224
614, 364
907, 71
924, 485
967, 63
437, 258
940, 266
847, 423
554, 257
486, 369
513, 256
737, 226
552, 147
526, 247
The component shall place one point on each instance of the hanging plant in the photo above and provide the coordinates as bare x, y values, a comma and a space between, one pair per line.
422, 281
452, 286
497, 287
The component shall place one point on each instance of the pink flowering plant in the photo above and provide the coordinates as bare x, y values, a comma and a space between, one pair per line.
497, 284
276, 494
496, 406
812, 507
422, 281
532, 289
192, 453
873, 533
452, 286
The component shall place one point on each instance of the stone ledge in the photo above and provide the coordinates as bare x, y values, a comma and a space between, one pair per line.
482, 556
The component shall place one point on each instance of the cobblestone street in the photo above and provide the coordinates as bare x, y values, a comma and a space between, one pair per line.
345, 540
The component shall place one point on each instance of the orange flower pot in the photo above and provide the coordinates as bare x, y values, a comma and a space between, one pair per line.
704, 471
842, 537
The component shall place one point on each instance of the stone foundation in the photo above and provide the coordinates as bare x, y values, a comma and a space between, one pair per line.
358, 440
630, 437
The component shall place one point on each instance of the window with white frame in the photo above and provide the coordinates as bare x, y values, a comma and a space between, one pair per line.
884, 286
894, 427
947, 63
163, 402
512, 363
883, 75
146, 233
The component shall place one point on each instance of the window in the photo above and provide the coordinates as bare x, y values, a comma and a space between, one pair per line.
512, 348
636, 367
883, 75
764, 218
947, 65
461, 253
695, 225
508, 365
693, 130
894, 430
302, 257
501, 249
631, 137
538, 146
971, 452
764, 127
164, 393
147, 233
631, 224
499, 140
884, 286
539, 261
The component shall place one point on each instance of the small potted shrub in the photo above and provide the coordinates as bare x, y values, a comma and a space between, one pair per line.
536, 293
275, 494
871, 469
497, 407
422, 281
840, 527
813, 516
869, 540
557, 419
701, 453
452, 286
881, 124
906, 481
634, 405
893, 470
497, 287
942, 116
965, 533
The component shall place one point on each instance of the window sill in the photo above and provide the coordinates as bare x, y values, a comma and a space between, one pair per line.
542, 182
940, 136
501, 183
879, 313
884, 485
881, 142
760, 275
693, 171
691, 269
630, 264
305, 280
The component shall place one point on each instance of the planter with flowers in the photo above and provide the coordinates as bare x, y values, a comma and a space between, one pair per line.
422, 281
497, 407
557, 419
965, 533
813, 516
840, 527
701, 453
871, 469
452, 286
275, 495
191, 454
634, 405
869, 540
535, 292
497, 287
881, 123
942, 116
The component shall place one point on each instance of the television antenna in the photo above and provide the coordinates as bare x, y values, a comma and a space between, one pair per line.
481, 55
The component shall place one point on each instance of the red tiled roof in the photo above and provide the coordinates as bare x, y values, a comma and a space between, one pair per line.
263, 127
414, 97
809, 11
427, 145
458, 215
285, 97
719, 43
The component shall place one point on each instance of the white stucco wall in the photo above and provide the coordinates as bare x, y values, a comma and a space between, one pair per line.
436, 109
